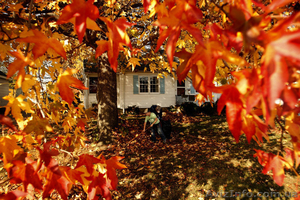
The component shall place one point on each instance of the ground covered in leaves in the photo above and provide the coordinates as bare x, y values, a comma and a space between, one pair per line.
200, 160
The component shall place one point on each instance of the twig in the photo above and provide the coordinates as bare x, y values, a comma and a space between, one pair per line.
282, 132
64, 151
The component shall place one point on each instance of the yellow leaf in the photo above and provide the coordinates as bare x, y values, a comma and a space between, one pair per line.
3, 50
15, 105
38, 126
28, 82
133, 62
9, 148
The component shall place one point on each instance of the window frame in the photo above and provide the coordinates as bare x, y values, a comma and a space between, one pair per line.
149, 84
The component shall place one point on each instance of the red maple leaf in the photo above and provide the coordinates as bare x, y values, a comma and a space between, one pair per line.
146, 4
25, 173
54, 179
117, 37
47, 153
234, 105
99, 185
113, 164
58, 182
275, 68
42, 43
81, 10
88, 161
72, 174
271, 162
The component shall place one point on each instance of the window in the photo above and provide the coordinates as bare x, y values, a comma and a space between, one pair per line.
143, 84
153, 84
93, 85
149, 84
180, 88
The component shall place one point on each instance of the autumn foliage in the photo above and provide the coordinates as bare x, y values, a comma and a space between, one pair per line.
251, 47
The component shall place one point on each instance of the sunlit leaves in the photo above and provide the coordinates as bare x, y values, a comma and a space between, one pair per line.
82, 11
182, 16
117, 38
9, 148
42, 43
19, 66
65, 81
271, 162
133, 62
15, 105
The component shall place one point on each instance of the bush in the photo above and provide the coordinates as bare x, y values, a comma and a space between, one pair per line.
208, 109
133, 110
189, 108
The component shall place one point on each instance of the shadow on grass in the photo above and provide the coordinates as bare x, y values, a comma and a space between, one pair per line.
199, 161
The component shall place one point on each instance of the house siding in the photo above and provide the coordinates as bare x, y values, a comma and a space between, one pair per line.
4, 90
145, 100
127, 98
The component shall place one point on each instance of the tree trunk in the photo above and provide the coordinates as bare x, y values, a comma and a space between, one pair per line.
107, 100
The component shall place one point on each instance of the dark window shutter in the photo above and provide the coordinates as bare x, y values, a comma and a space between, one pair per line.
193, 91
135, 84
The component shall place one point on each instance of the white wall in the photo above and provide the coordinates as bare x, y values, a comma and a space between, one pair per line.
126, 98
145, 100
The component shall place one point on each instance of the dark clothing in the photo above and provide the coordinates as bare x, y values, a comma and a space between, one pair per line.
158, 114
157, 128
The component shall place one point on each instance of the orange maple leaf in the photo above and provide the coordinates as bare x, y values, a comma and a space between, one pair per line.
55, 178
72, 174
64, 82
117, 37
19, 65
113, 164
42, 43
99, 185
234, 105
88, 161
271, 162
81, 10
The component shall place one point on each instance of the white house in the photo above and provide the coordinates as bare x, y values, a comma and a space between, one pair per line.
143, 89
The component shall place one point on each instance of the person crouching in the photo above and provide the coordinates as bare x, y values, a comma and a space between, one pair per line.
155, 125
